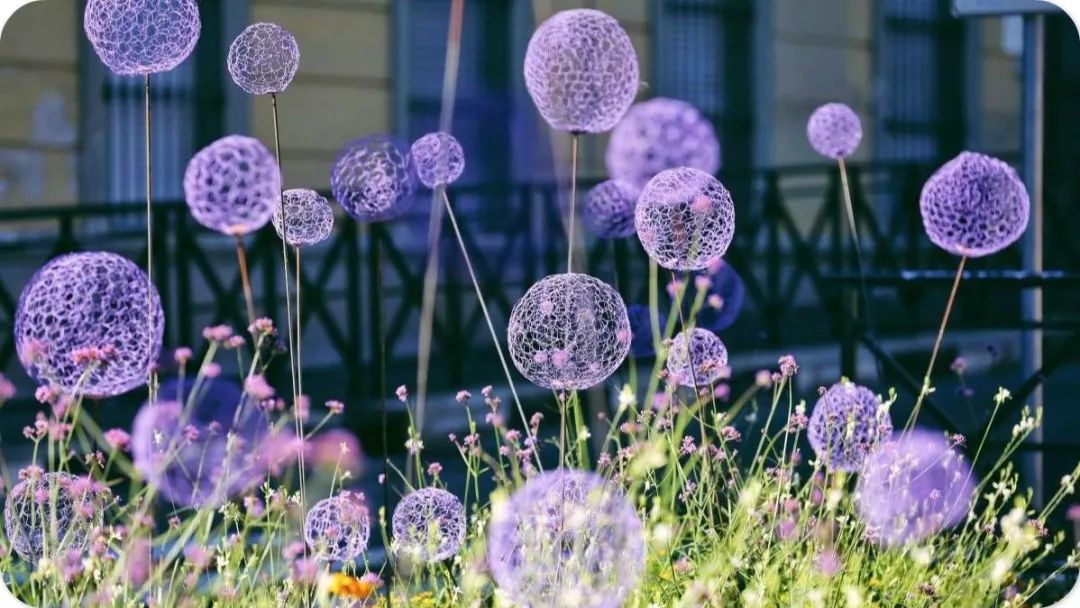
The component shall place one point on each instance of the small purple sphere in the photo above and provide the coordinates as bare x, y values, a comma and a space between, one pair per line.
914, 487
308, 217
429, 526
51, 514
608, 210
95, 301
696, 358
581, 71
233, 185
337, 528
847, 423
439, 158
661, 134
569, 331
263, 59
138, 37
685, 219
834, 130
974, 205
566, 534
374, 178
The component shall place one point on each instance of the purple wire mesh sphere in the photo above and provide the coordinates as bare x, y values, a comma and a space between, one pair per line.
337, 528
263, 59
581, 71
641, 337
974, 205
439, 158
847, 423
608, 210
429, 526
696, 358
566, 538
914, 487
834, 130
569, 331
685, 219
374, 178
75, 504
233, 185
724, 297
94, 300
137, 37
661, 134
308, 216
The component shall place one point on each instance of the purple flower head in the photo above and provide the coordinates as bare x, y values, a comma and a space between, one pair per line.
724, 300
429, 526
696, 358
581, 71
309, 219
327, 452
233, 185
661, 134
569, 331
75, 504
566, 538
641, 338
374, 178
136, 37
847, 423
608, 210
263, 59
337, 528
974, 205
685, 219
913, 487
93, 300
834, 130
439, 158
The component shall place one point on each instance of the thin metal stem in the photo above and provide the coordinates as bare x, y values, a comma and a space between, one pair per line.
937, 344
572, 220
853, 227
241, 261
427, 312
299, 343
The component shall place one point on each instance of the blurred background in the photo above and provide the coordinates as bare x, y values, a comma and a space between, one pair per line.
926, 84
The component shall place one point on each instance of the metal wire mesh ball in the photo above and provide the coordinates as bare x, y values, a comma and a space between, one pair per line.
92, 300
263, 58
337, 528
50, 514
685, 219
136, 37
374, 179
660, 134
569, 331
566, 538
974, 205
834, 130
429, 525
581, 71
308, 217
233, 185
439, 158
696, 358
608, 210
847, 423
913, 487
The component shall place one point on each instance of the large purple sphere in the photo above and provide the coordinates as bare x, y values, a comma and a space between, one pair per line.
439, 158
847, 423
210, 400
233, 185
94, 300
641, 337
724, 299
685, 219
309, 219
581, 71
566, 538
569, 331
374, 178
51, 514
834, 130
661, 134
263, 58
337, 528
137, 37
429, 526
608, 210
974, 205
696, 358
914, 487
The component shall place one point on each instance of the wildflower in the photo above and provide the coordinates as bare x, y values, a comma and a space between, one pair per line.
182, 355
46, 394
463, 396
959, 365
235, 342
828, 562
722, 391
211, 370
682, 565
1073, 513
198, 557
788, 366
402, 393
688, 446
217, 333
302, 411
487, 391
786, 529
434, 469
257, 386
675, 287
715, 300
118, 439
702, 282
730, 433
305, 571
763, 379
414, 445
262, 327
7, 389
351, 587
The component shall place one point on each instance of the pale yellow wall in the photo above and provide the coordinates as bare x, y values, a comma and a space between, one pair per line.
38, 105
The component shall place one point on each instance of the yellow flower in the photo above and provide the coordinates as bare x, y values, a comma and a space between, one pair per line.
350, 586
